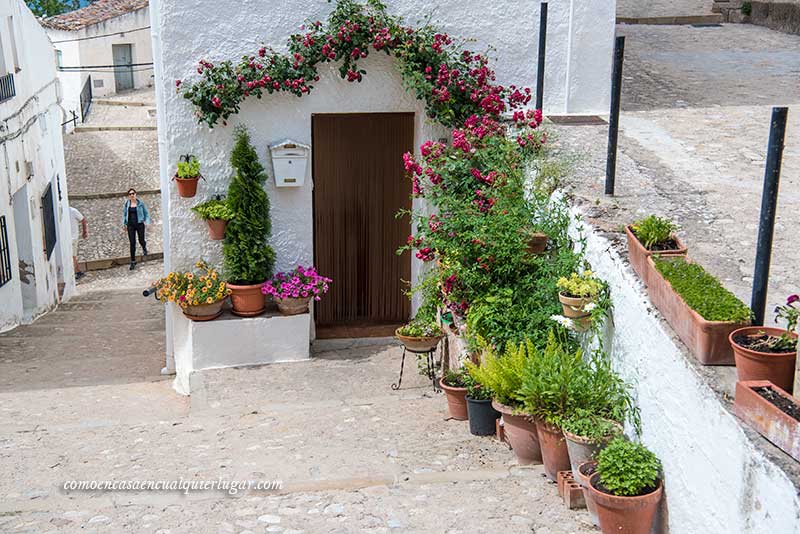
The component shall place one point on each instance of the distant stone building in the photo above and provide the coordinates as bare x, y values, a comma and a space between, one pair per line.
104, 48
35, 236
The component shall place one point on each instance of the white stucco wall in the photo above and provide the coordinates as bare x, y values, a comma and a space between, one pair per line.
39, 120
716, 478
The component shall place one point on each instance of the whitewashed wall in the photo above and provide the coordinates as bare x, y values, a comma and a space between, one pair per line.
43, 145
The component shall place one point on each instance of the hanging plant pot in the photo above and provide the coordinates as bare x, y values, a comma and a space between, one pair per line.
247, 300
574, 307
418, 344
520, 431
631, 515
757, 364
204, 312
482, 417
216, 229
536, 242
555, 455
187, 187
456, 401
293, 306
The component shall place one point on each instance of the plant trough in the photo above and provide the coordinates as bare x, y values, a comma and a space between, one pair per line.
772, 412
638, 254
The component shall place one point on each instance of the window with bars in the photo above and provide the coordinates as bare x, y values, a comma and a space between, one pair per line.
5, 253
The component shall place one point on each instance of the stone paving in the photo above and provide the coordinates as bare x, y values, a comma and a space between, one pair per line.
663, 8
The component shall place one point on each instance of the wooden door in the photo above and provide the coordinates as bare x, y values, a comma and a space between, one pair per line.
123, 72
359, 185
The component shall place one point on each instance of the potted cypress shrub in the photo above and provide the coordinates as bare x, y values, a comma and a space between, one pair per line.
502, 374
651, 235
248, 257
187, 175
455, 391
626, 488
482, 416
216, 214
767, 353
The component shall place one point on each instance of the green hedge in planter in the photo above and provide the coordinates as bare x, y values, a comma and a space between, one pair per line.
701, 291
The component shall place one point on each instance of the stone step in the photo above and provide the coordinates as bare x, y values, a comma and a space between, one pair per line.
124, 103
79, 129
672, 20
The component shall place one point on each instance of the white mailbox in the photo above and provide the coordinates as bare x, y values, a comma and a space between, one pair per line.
289, 162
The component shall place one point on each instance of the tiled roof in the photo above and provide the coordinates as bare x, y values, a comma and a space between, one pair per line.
96, 12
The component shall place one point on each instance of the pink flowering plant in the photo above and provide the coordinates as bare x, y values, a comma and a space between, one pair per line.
300, 283
454, 83
790, 314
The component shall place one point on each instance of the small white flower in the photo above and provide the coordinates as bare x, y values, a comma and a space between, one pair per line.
589, 307
566, 322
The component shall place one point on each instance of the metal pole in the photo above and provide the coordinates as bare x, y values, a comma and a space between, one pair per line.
769, 202
613, 116
542, 47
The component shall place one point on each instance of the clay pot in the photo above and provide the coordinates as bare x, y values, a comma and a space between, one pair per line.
537, 242
520, 432
582, 450
418, 344
187, 187
293, 306
625, 515
456, 401
638, 255
247, 301
573, 307
216, 229
555, 455
204, 312
585, 471
482, 417
778, 368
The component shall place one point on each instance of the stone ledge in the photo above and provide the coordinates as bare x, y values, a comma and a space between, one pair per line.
672, 21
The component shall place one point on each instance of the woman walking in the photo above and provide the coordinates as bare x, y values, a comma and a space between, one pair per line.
134, 217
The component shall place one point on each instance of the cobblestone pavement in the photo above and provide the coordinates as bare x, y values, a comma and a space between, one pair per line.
663, 8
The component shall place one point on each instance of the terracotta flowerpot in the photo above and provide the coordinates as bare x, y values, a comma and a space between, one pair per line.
582, 450
638, 254
204, 312
585, 472
293, 306
216, 229
707, 340
456, 401
247, 301
482, 417
778, 368
770, 420
574, 307
537, 242
520, 432
187, 187
418, 344
625, 515
555, 455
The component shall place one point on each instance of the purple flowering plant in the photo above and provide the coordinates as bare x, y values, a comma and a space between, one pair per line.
790, 314
302, 282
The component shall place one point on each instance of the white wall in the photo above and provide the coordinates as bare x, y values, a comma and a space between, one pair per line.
32, 133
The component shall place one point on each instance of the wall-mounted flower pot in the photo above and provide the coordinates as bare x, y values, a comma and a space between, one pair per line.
418, 344
216, 229
772, 412
574, 307
293, 306
247, 301
582, 450
638, 255
555, 455
537, 242
520, 432
585, 472
456, 401
707, 340
777, 367
625, 515
187, 187
482, 417
204, 312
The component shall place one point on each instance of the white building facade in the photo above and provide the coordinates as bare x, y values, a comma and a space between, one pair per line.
104, 48
36, 269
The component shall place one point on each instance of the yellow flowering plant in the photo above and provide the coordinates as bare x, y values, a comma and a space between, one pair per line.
203, 286
580, 285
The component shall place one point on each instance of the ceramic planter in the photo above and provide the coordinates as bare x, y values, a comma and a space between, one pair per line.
482, 417
216, 229
625, 515
707, 340
778, 368
537, 242
247, 300
638, 255
204, 312
768, 419
582, 450
293, 306
418, 344
187, 187
555, 455
585, 472
520, 432
456, 401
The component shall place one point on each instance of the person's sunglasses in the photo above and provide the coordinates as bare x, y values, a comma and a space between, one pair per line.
131, 194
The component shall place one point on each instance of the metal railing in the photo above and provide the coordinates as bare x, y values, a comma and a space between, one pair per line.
7, 89
86, 99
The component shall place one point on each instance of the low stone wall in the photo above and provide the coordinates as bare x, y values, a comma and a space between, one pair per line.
719, 475
783, 15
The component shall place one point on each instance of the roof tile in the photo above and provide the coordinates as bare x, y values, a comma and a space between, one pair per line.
96, 12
